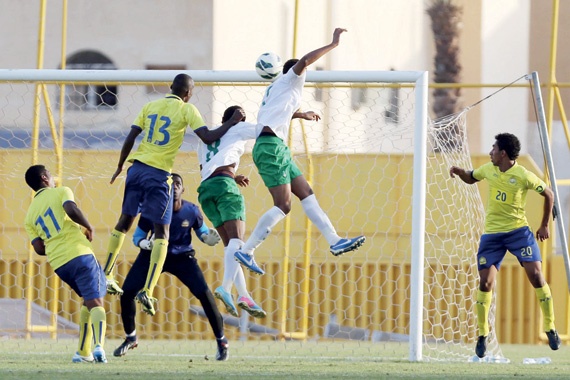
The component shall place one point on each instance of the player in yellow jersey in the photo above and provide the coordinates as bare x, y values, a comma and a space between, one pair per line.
506, 228
53, 223
148, 186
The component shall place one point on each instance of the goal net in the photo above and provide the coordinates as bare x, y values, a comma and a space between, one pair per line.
377, 167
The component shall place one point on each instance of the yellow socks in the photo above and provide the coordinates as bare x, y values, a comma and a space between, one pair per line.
99, 323
115, 244
157, 257
547, 306
483, 306
85, 332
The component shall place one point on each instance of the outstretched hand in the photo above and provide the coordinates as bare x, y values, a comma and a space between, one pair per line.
454, 170
242, 180
336, 35
212, 237
310, 115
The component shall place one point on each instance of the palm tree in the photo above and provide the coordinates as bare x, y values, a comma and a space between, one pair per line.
445, 24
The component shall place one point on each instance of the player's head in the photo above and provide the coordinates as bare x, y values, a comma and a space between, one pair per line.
508, 143
182, 86
290, 63
37, 177
177, 185
229, 112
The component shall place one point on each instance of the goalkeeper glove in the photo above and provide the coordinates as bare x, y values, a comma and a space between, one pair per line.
147, 243
211, 237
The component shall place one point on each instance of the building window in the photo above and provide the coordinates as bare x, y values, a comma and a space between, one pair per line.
90, 96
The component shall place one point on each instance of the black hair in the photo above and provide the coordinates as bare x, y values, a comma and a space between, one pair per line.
229, 112
290, 63
34, 176
181, 84
509, 143
179, 176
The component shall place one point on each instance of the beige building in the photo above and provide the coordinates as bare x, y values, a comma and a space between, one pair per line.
500, 41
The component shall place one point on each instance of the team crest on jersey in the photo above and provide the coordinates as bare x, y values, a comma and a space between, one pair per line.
482, 260
185, 223
512, 181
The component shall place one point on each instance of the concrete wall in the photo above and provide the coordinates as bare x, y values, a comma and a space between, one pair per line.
131, 33
499, 42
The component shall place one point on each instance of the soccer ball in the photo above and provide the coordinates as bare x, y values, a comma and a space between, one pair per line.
268, 65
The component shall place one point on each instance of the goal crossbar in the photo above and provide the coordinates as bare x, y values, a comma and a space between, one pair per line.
417, 79
49, 75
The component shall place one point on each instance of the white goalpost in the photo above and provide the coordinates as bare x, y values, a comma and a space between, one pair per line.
376, 163
543, 132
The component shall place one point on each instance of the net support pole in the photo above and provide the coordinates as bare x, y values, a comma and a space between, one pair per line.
543, 131
418, 218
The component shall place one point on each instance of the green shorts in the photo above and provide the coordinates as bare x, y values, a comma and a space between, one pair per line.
273, 160
221, 200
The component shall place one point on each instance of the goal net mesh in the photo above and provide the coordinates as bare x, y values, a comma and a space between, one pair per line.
359, 161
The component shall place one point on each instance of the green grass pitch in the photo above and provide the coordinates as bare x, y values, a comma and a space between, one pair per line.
162, 360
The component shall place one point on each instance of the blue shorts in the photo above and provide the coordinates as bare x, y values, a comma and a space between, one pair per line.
148, 190
85, 276
519, 242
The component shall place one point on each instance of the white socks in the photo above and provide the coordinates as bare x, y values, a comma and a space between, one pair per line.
316, 214
274, 215
267, 221
233, 272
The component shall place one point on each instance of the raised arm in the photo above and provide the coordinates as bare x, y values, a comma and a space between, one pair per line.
208, 136
126, 150
465, 175
313, 56
543, 233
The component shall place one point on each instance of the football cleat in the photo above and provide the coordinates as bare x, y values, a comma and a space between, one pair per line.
248, 261
113, 287
128, 344
347, 245
82, 359
553, 339
222, 353
226, 298
99, 354
481, 347
251, 307
147, 302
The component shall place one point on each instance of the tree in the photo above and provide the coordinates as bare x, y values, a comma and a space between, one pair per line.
445, 24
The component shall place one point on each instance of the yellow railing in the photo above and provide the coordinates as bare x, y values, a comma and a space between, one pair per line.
368, 306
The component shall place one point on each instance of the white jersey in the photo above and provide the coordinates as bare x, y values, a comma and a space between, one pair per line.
227, 150
281, 100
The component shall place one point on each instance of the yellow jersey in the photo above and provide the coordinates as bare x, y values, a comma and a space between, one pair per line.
164, 123
46, 219
507, 196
